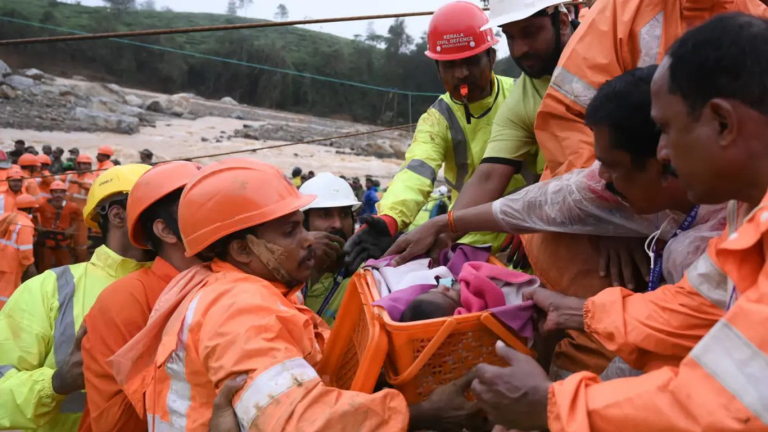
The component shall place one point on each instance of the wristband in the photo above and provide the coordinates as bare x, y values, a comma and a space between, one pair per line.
451, 223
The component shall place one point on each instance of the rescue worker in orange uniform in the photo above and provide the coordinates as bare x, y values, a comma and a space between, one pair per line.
59, 221
78, 184
44, 178
123, 309
7, 198
240, 314
103, 155
616, 36
15, 180
17, 232
30, 166
714, 130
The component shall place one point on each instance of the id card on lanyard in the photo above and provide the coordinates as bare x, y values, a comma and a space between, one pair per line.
657, 259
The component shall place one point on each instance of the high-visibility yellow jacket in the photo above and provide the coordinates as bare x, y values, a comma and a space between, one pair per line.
426, 212
37, 331
443, 138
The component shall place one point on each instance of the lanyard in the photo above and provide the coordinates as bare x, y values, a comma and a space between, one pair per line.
338, 278
657, 254
468, 116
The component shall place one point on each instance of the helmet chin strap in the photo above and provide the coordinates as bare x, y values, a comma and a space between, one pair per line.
266, 253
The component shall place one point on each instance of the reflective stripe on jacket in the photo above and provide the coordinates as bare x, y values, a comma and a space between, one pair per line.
444, 139
37, 331
616, 36
721, 385
233, 323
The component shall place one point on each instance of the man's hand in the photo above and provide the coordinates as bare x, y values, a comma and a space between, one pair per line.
371, 241
620, 256
516, 396
447, 409
69, 378
224, 418
429, 237
561, 312
328, 250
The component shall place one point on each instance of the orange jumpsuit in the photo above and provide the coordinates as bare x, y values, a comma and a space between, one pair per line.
57, 245
104, 166
721, 385
17, 236
119, 314
214, 322
44, 183
78, 195
616, 36
30, 184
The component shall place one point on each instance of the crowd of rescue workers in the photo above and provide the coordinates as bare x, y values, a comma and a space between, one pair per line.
605, 215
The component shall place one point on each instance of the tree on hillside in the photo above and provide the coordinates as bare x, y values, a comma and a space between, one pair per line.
120, 5
232, 8
243, 5
398, 40
372, 37
282, 12
166, 9
148, 5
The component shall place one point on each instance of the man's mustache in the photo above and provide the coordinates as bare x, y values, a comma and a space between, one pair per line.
339, 233
610, 187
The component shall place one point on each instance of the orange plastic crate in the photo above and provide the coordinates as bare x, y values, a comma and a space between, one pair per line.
417, 357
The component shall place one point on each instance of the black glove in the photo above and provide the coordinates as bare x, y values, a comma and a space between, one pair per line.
370, 242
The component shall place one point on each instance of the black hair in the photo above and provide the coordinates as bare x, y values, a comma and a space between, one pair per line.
423, 309
623, 105
165, 209
103, 222
20, 142
296, 172
726, 57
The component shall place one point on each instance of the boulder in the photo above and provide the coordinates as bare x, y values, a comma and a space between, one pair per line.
107, 121
229, 101
78, 78
180, 104
237, 115
106, 105
116, 90
379, 149
7, 92
4, 70
133, 101
399, 148
35, 74
158, 105
19, 82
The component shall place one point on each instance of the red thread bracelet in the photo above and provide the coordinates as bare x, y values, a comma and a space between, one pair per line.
451, 222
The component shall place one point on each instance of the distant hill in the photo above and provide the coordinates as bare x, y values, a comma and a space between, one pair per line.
391, 63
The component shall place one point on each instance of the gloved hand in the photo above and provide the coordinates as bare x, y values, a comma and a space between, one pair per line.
371, 241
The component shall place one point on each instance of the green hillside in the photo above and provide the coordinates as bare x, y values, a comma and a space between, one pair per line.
392, 63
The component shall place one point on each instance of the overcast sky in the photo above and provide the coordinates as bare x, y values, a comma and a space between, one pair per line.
301, 9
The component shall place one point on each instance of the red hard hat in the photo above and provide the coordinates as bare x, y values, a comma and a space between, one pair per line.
43, 159
58, 185
28, 159
152, 186
232, 195
84, 159
25, 201
15, 173
106, 150
454, 32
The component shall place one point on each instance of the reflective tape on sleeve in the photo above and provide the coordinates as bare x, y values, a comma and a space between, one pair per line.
419, 167
709, 281
737, 364
269, 386
650, 40
64, 330
572, 87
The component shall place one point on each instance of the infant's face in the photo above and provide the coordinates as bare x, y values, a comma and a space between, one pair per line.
445, 297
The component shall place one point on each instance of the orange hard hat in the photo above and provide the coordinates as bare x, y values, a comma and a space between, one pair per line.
15, 173
43, 159
83, 158
232, 195
150, 188
28, 159
25, 201
455, 32
58, 185
107, 150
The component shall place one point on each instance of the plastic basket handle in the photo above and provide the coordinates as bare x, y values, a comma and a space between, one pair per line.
495, 326
425, 355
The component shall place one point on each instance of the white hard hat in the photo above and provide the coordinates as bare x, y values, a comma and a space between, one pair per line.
331, 192
442, 190
507, 11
